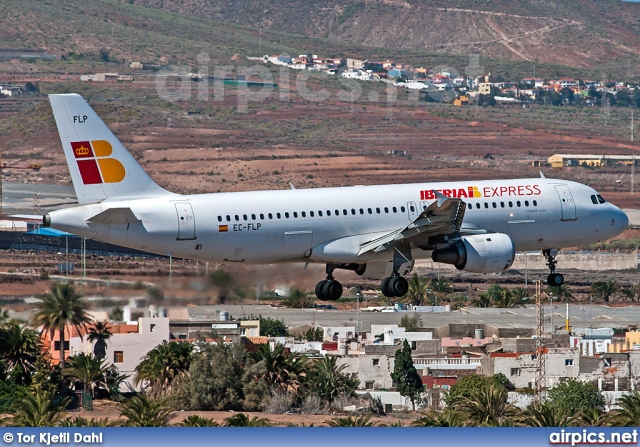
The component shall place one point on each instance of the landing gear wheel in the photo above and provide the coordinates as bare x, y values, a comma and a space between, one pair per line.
384, 287
319, 288
399, 286
555, 279
332, 290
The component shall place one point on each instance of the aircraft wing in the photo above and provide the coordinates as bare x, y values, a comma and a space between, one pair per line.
443, 216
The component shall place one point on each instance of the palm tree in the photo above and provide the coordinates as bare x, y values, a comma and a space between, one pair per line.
198, 421
38, 410
445, 418
484, 300
242, 420
487, 406
141, 411
628, 412
163, 364
61, 307
547, 415
79, 421
19, 349
358, 421
592, 417
418, 289
328, 381
283, 371
605, 289
89, 370
441, 287
632, 292
99, 333
562, 292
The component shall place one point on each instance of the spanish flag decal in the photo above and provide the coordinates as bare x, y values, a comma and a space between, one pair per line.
94, 163
223, 228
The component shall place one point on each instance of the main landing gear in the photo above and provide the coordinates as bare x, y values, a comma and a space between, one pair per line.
329, 289
554, 279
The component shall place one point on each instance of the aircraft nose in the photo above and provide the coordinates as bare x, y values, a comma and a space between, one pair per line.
620, 219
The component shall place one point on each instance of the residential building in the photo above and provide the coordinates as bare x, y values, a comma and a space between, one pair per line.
562, 160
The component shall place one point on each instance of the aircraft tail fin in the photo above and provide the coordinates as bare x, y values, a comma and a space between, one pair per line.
101, 168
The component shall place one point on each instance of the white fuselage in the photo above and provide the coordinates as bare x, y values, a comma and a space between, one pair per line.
284, 226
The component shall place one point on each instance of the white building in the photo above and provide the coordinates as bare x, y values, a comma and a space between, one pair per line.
126, 350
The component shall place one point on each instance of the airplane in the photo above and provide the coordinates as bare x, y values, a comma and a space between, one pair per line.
376, 231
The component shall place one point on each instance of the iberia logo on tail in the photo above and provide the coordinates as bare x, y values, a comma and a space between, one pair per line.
94, 162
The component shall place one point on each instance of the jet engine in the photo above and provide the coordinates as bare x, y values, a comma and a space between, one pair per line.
479, 253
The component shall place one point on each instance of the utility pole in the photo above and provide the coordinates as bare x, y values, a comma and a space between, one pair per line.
633, 157
540, 349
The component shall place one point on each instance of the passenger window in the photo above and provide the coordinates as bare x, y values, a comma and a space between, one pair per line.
328, 212
353, 211
311, 213
495, 205
535, 203
344, 212
295, 214
486, 205
286, 214
370, 212
270, 216
402, 209
510, 204
244, 216
478, 205
386, 210
219, 218
261, 216
518, 203
320, 213
378, 210
253, 217
600, 199
395, 210
228, 218
412, 208
501, 204
304, 214
361, 211
526, 203
278, 215
237, 218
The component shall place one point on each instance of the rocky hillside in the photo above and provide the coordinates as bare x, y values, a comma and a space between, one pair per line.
569, 32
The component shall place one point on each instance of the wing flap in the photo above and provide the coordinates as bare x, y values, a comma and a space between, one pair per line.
443, 216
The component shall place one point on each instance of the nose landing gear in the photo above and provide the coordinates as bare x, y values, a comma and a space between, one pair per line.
554, 279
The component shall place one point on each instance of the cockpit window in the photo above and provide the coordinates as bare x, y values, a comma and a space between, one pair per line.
593, 199
600, 199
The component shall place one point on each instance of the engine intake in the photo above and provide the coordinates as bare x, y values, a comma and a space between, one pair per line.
479, 253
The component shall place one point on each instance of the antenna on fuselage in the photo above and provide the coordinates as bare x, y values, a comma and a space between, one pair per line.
542, 175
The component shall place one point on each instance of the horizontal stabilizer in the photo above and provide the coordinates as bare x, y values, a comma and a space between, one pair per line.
115, 216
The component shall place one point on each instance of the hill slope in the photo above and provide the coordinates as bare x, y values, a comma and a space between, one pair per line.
571, 32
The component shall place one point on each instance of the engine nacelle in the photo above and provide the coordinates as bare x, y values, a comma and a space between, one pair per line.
479, 253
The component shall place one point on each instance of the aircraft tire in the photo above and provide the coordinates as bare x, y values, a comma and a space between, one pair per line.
332, 290
384, 288
399, 286
555, 279
319, 290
